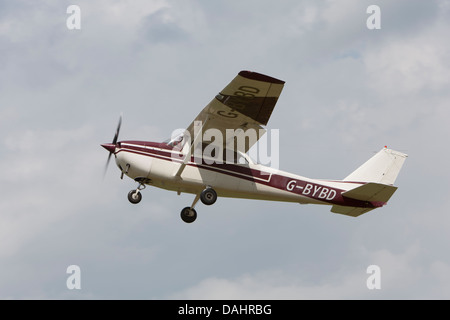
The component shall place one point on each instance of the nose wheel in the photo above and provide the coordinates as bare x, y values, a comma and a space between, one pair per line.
135, 196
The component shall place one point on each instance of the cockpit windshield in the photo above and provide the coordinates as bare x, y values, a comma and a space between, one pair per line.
177, 140
211, 153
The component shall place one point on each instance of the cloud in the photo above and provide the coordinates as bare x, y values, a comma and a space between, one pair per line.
266, 286
400, 278
411, 65
159, 27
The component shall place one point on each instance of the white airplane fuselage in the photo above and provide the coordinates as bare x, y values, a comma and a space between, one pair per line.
236, 118
157, 164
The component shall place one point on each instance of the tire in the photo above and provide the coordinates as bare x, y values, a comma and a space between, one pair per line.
208, 196
188, 215
134, 197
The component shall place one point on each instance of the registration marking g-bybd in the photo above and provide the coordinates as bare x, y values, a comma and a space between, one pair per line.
311, 190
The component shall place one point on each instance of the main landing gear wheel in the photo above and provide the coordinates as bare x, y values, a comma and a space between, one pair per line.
208, 196
134, 196
188, 215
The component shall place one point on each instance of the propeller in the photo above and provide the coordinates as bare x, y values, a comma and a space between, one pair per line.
111, 147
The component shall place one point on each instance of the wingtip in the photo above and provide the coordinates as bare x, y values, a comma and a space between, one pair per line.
259, 77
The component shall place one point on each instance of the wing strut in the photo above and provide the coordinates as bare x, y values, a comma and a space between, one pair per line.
198, 130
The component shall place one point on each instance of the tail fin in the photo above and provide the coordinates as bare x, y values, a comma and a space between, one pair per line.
381, 168
379, 174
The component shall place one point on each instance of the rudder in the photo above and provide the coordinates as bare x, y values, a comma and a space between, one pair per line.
383, 167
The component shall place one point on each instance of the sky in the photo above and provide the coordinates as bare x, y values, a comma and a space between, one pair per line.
349, 92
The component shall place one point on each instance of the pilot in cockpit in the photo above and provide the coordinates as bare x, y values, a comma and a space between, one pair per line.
177, 141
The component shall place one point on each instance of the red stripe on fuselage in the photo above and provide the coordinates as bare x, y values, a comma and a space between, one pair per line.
160, 151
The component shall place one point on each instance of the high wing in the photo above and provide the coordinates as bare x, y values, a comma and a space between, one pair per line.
245, 103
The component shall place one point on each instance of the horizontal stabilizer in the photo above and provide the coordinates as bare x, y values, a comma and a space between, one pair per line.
371, 192
350, 211
376, 193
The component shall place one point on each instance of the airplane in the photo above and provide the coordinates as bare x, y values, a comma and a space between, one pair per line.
182, 164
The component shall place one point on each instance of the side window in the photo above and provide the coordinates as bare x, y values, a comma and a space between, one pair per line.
238, 158
177, 141
241, 159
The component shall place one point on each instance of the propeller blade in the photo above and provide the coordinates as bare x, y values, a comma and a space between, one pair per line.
106, 165
116, 136
111, 147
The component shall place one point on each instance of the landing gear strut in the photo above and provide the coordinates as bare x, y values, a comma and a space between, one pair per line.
189, 214
207, 196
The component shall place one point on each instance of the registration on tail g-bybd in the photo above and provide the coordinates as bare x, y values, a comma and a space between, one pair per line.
223, 168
